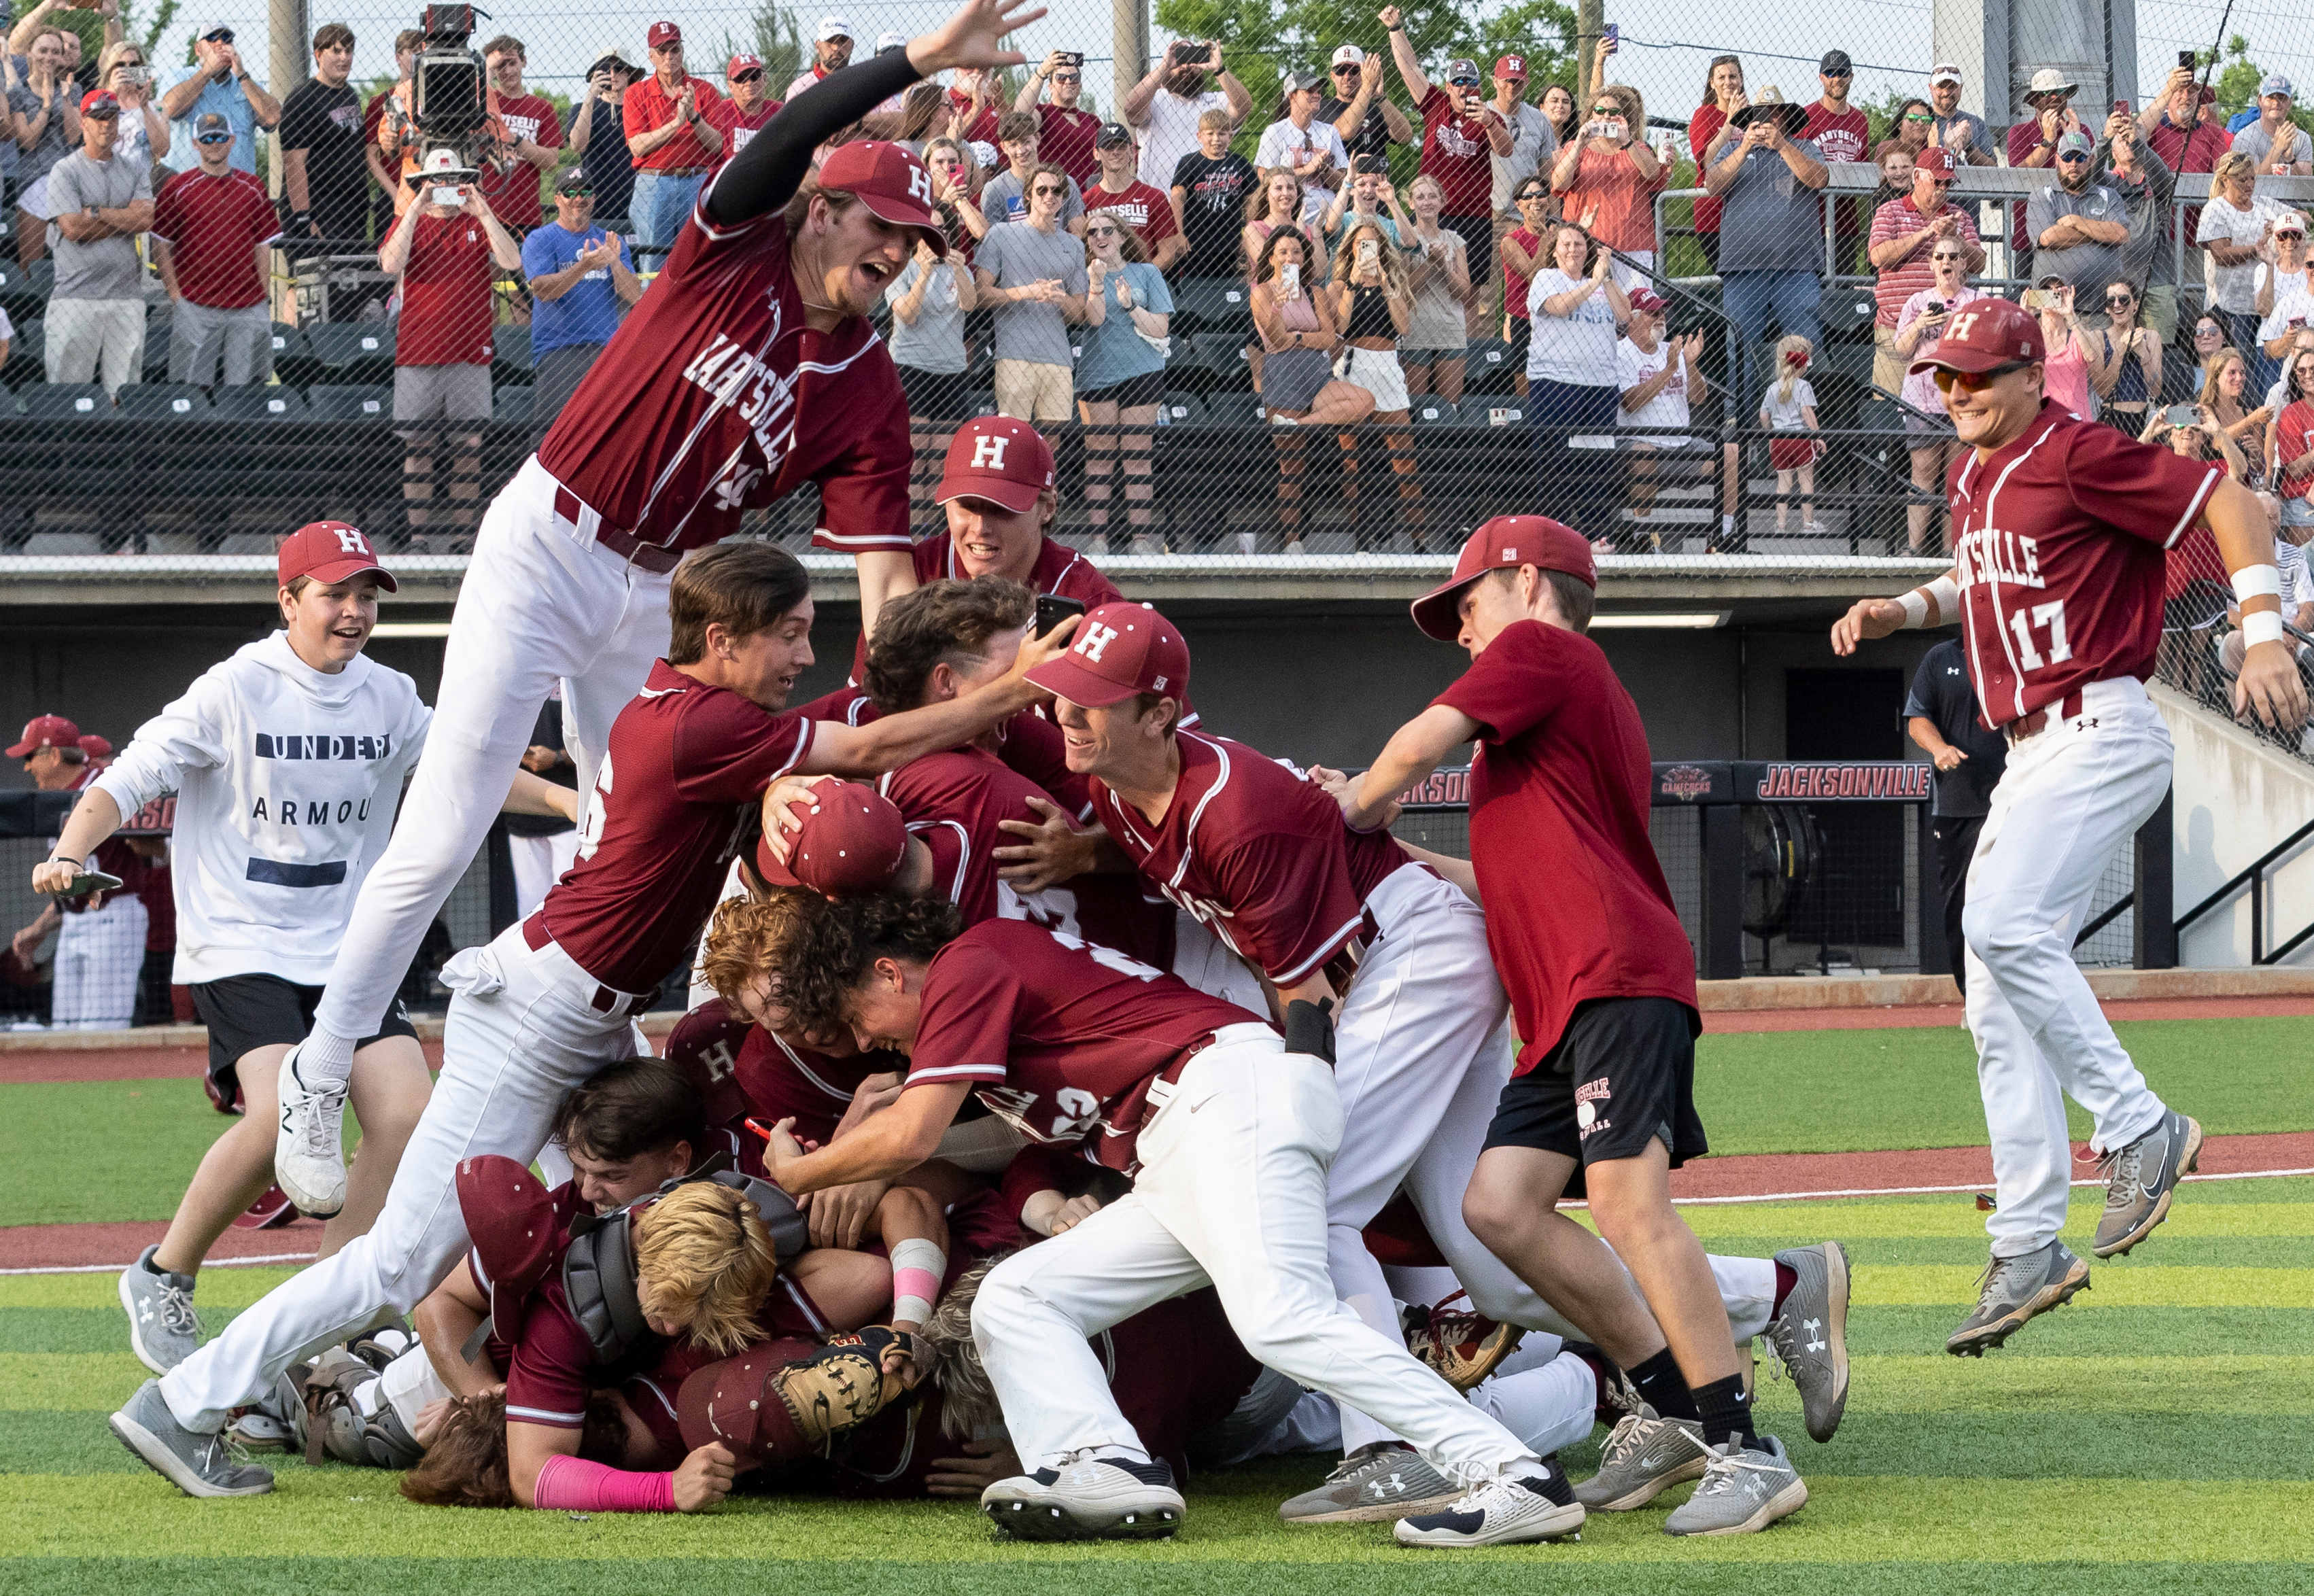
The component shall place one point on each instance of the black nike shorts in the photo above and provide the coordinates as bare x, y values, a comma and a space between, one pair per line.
247, 1013
1623, 1074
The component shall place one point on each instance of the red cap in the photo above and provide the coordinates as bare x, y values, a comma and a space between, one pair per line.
662, 34
851, 843
1513, 68
1504, 543
1982, 334
330, 551
94, 746
731, 1403
889, 182
741, 62
510, 1220
997, 458
1120, 650
1936, 160
46, 731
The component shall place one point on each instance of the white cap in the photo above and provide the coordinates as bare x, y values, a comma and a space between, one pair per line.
833, 27
1944, 73
1349, 55
441, 159
885, 41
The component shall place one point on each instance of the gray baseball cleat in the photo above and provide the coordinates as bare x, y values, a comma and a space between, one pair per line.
1745, 1489
2012, 1290
163, 1328
197, 1465
1380, 1480
1810, 1333
2140, 1180
1645, 1456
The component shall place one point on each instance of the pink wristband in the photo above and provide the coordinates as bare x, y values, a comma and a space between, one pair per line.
576, 1485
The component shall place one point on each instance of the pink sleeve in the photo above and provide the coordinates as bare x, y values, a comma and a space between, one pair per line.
576, 1485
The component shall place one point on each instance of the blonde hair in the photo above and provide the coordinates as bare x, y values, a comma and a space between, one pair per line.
1788, 376
2213, 371
1393, 264
119, 47
969, 1397
2233, 164
703, 1259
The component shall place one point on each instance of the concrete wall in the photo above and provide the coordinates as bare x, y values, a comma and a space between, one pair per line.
2235, 798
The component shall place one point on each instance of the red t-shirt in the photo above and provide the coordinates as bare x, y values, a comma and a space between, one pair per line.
738, 126
513, 193
714, 398
1456, 151
1065, 141
2189, 149
213, 226
1057, 1036
984, 126
1893, 284
2293, 435
1148, 211
674, 804
1708, 120
445, 293
1839, 136
648, 106
2058, 543
1515, 284
1258, 854
1576, 904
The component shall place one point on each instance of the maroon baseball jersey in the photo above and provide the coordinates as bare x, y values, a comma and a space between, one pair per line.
1257, 854
705, 1045
713, 398
1058, 1036
1576, 904
2059, 541
674, 804
782, 1079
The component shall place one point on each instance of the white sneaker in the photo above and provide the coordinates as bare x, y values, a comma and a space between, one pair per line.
309, 1153
1540, 1506
1087, 1499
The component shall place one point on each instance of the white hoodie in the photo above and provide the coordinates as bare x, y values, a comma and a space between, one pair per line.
287, 781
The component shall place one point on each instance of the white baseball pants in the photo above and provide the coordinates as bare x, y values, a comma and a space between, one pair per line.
99, 953
406, 1385
1231, 1192
542, 602
538, 864
2068, 798
522, 1032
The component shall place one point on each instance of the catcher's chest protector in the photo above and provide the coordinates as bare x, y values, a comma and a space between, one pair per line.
598, 1268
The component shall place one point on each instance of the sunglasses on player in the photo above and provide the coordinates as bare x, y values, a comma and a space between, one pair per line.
1975, 382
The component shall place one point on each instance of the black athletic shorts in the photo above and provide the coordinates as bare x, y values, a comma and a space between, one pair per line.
1147, 388
1623, 1074
246, 1012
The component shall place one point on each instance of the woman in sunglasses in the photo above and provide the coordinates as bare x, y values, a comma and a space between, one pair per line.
2124, 361
1608, 178
1928, 438
1120, 376
144, 134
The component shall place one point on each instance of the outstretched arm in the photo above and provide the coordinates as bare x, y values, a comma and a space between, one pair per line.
1412, 753
2268, 684
1933, 603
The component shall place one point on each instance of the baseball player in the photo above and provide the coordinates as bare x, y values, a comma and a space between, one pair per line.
287, 760
1220, 1118
1602, 984
99, 936
2060, 528
749, 371
1260, 855
550, 1000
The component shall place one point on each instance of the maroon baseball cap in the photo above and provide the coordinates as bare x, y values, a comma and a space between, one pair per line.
731, 1403
1936, 160
742, 62
889, 182
1510, 69
46, 731
1982, 334
510, 1220
330, 551
997, 458
1504, 543
851, 843
94, 746
1120, 650
662, 34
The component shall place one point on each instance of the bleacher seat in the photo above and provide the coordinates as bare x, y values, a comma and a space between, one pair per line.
260, 403
29, 345
1500, 410
511, 401
1846, 312
1234, 407
342, 345
1490, 365
1211, 305
1429, 410
511, 349
165, 402
1181, 409
64, 542
67, 401
1223, 354
338, 401
293, 355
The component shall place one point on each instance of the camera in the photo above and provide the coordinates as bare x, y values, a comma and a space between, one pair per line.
1071, 57
448, 95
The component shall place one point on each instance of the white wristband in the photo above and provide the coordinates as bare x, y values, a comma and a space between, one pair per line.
1946, 592
2257, 581
1915, 605
2261, 626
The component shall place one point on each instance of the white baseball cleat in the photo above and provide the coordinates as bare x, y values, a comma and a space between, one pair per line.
309, 1153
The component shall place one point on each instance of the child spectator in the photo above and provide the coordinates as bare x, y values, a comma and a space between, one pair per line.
1789, 408
1437, 334
1210, 188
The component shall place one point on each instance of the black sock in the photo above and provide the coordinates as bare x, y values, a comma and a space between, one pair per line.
1660, 1381
1726, 1411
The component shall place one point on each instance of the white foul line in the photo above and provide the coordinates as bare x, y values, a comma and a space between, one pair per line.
270, 1257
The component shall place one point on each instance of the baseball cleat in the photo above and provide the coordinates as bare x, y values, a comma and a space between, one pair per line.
1645, 1456
163, 1328
1463, 1348
309, 1152
270, 1209
2014, 1289
1537, 1506
196, 1465
1744, 1490
1810, 1333
1380, 1480
1087, 1499
2140, 1180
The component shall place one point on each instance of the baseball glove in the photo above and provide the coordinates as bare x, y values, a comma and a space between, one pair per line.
841, 1385
1463, 1348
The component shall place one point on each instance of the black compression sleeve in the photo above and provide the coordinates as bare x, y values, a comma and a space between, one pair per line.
767, 174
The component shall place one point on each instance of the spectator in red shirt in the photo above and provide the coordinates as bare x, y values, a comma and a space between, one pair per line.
670, 119
1148, 211
1069, 130
972, 108
2183, 128
1460, 135
533, 142
213, 231
1607, 178
1522, 256
747, 106
1708, 134
442, 251
1840, 132
1904, 231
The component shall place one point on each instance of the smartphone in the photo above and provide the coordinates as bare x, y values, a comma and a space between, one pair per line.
1937, 307
2186, 60
1051, 609
1289, 280
2182, 415
449, 197
2121, 108
1181, 53
1073, 57
1612, 35
1369, 253
88, 881
2039, 299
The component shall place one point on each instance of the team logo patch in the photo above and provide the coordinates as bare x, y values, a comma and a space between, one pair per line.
1591, 1109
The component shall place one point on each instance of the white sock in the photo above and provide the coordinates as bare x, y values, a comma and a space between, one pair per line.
324, 1060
